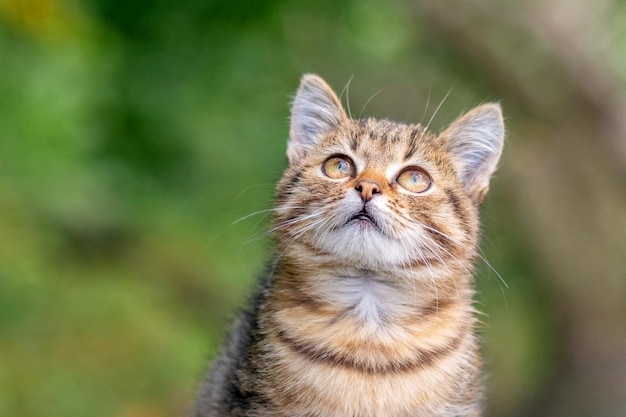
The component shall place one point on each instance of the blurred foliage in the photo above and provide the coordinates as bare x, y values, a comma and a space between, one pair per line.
136, 138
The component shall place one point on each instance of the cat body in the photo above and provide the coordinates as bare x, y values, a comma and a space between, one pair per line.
366, 309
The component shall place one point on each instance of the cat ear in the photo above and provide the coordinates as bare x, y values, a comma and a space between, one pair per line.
314, 112
475, 140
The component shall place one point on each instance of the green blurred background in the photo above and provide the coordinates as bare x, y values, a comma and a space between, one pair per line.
134, 135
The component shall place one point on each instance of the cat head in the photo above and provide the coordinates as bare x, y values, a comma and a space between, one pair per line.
378, 194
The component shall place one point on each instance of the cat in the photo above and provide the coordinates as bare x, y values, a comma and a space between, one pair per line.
366, 309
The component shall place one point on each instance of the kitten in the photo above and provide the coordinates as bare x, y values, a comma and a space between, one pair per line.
366, 309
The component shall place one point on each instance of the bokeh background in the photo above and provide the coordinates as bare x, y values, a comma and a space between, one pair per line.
134, 136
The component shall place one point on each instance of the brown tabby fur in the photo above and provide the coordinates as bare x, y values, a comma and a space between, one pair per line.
364, 318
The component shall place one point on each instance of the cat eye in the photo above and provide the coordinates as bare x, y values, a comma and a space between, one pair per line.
337, 167
414, 179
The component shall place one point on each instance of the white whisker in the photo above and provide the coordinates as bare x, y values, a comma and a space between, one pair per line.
266, 184
346, 90
425, 108
437, 109
368, 101
479, 255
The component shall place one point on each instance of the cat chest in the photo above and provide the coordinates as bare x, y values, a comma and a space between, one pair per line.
301, 387
346, 369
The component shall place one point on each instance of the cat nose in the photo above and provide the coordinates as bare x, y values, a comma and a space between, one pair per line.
367, 189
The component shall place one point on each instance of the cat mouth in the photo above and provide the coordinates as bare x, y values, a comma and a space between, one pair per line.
363, 218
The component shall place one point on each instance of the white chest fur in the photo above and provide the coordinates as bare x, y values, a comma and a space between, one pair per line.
370, 300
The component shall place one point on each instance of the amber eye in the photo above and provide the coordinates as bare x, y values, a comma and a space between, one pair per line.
338, 167
414, 180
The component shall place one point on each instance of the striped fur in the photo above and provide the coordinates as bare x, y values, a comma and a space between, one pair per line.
369, 316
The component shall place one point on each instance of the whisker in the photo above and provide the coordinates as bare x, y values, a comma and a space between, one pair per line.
426, 108
346, 89
259, 235
480, 255
370, 99
251, 215
277, 209
298, 234
266, 184
437, 109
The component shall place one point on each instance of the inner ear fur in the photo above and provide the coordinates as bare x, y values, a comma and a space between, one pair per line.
315, 111
475, 141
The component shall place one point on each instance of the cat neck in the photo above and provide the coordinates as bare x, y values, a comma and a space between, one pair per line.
376, 298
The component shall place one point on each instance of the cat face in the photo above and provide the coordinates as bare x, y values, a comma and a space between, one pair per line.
376, 194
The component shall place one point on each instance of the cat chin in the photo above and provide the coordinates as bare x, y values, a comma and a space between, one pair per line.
361, 244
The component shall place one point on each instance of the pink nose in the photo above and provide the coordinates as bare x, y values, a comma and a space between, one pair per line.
367, 189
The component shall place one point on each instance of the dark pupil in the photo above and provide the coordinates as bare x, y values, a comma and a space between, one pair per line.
342, 166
